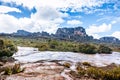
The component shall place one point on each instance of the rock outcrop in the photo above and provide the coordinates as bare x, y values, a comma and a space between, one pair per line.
66, 32
76, 34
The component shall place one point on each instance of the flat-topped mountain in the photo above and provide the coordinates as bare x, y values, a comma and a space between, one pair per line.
74, 34
71, 31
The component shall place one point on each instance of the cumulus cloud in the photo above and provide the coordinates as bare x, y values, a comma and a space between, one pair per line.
96, 36
74, 22
5, 9
8, 23
48, 15
45, 19
94, 30
11, 24
116, 34
98, 29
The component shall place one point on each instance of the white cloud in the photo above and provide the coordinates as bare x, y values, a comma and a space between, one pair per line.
5, 9
95, 30
47, 20
48, 13
48, 16
116, 34
114, 22
74, 22
8, 23
98, 29
11, 24
96, 36
59, 20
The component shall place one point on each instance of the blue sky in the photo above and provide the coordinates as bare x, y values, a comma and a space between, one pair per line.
99, 17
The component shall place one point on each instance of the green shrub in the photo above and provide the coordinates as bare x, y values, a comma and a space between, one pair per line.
113, 74
7, 48
16, 69
13, 70
43, 47
53, 44
81, 72
87, 48
8, 71
86, 64
95, 73
67, 65
99, 73
104, 49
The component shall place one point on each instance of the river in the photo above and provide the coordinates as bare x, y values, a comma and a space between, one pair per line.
29, 54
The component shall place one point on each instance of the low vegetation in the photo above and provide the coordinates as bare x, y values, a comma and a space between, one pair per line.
54, 45
67, 65
7, 48
60, 45
87, 48
13, 70
97, 73
86, 64
104, 49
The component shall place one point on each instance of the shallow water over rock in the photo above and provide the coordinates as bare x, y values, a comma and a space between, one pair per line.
28, 54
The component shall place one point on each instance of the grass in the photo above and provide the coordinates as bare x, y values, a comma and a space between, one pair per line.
98, 73
13, 70
67, 65
86, 64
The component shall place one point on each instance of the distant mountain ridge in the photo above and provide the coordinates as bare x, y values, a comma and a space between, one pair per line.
74, 34
109, 39
22, 32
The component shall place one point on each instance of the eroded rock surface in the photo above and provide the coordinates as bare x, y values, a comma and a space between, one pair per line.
39, 71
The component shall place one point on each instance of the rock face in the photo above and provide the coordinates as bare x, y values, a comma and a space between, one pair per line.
71, 31
109, 40
76, 34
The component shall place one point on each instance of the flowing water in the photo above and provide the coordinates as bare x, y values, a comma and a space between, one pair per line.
29, 54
